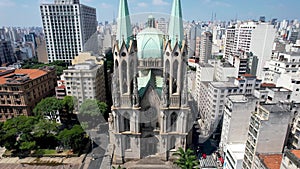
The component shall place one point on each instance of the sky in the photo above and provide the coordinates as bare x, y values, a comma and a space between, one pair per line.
26, 12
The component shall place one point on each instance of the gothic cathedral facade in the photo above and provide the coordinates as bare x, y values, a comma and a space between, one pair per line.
150, 114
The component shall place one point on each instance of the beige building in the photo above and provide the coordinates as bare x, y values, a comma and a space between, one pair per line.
22, 89
85, 81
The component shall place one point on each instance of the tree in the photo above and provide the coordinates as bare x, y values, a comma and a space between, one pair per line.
93, 108
92, 112
187, 159
17, 133
69, 102
44, 133
49, 108
72, 138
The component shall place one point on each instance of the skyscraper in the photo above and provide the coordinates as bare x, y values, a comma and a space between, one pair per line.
150, 113
67, 26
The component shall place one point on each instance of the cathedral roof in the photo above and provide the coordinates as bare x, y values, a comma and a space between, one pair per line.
150, 43
144, 82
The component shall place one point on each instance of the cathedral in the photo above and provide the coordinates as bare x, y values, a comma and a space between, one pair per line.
150, 115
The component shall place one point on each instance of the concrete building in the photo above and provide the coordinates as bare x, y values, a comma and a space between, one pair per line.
85, 81
6, 53
211, 105
234, 156
22, 89
68, 25
205, 47
237, 112
268, 126
255, 37
291, 81
290, 159
282, 64
247, 84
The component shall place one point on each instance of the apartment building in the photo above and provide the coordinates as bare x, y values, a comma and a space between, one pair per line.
236, 118
268, 126
85, 81
22, 89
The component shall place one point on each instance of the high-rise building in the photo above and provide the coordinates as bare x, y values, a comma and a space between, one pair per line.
268, 126
237, 112
150, 113
6, 53
205, 46
290, 159
255, 37
67, 26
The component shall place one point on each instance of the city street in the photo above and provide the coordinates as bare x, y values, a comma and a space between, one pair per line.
100, 143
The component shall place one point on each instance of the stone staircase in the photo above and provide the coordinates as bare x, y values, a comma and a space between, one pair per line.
150, 163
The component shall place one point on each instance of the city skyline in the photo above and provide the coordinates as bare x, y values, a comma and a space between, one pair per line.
20, 13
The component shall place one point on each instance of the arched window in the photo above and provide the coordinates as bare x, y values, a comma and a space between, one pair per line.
124, 77
173, 121
126, 123
172, 142
127, 143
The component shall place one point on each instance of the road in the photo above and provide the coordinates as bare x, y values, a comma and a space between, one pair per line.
100, 139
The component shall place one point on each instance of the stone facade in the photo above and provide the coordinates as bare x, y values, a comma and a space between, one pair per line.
150, 113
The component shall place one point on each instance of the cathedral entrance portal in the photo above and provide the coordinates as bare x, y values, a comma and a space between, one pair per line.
149, 146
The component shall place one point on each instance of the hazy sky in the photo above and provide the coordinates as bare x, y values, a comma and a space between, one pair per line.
26, 12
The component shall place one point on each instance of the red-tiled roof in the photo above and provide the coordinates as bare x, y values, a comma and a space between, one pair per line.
61, 87
271, 161
296, 153
268, 85
32, 73
248, 75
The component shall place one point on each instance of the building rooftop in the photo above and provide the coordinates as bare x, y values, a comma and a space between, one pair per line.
22, 75
237, 150
239, 98
294, 156
223, 85
205, 65
271, 161
273, 108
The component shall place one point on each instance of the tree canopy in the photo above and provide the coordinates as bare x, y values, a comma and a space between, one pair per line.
93, 108
186, 159
48, 107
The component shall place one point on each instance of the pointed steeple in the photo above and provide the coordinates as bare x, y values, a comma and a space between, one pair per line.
176, 24
124, 31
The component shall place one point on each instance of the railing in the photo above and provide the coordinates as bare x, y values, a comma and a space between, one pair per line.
174, 101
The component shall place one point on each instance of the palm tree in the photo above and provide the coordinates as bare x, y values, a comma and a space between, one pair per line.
187, 159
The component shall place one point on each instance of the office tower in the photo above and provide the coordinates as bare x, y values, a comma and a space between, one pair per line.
68, 25
22, 89
255, 37
268, 126
6, 53
150, 113
205, 47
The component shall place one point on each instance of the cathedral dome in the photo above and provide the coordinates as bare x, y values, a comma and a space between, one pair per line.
150, 43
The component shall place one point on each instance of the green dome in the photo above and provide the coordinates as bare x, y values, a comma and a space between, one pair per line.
150, 43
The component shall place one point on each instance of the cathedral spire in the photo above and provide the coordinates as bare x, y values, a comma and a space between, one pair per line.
124, 30
176, 24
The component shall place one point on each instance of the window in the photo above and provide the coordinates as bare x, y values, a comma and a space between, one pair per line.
173, 121
126, 121
172, 142
127, 143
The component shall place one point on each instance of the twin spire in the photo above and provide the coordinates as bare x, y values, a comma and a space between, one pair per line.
124, 30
